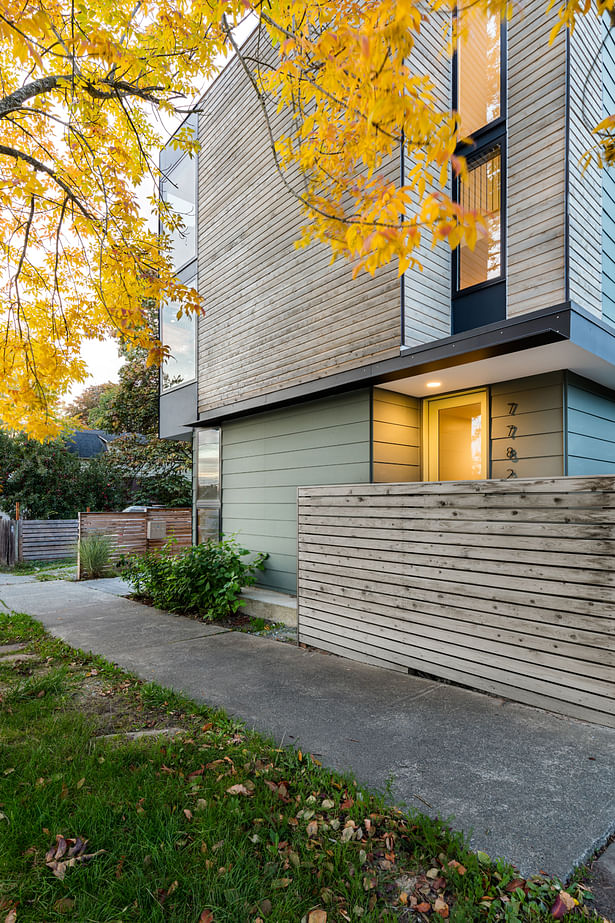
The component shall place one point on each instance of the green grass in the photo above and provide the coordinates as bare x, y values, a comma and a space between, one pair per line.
176, 842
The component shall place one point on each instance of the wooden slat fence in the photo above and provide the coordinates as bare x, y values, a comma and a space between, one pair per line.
507, 586
8, 542
128, 531
47, 539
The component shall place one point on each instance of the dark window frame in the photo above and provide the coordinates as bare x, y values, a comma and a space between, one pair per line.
484, 139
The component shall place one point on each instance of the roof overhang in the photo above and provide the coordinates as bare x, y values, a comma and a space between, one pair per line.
562, 337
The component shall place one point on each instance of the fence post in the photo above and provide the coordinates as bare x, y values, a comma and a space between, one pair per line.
79, 546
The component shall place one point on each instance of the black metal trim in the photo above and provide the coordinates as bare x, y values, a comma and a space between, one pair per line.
567, 174
550, 325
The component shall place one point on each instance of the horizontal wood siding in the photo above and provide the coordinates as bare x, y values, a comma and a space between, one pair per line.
276, 316
536, 162
585, 181
505, 586
265, 458
427, 290
396, 435
47, 539
128, 531
527, 427
590, 415
608, 184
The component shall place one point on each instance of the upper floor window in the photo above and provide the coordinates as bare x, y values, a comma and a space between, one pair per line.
180, 336
178, 188
479, 72
480, 100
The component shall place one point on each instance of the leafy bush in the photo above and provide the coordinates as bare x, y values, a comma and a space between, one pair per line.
206, 579
94, 555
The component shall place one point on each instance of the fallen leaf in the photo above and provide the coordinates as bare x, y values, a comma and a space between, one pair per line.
187, 813
433, 873
206, 917
279, 883
80, 783
327, 805
459, 868
238, 789
514, 884
312, 828
64, 905
441, 907
317, 916
423, 907
173, 888
563, 905
11, 916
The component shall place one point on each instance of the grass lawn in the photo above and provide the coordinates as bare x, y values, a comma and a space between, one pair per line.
211, 824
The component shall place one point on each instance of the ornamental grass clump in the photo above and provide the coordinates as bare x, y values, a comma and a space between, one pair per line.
94, 555
205, 579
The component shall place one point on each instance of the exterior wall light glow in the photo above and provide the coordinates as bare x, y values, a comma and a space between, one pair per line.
433, 384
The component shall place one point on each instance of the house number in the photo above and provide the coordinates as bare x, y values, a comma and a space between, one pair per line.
512, 408
510, 452
512, 431
511, 473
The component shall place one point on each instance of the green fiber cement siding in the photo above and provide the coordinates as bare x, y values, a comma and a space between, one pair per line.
265, 458
608, 190
591, 428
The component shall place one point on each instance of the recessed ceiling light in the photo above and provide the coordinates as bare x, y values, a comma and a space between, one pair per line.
434, 384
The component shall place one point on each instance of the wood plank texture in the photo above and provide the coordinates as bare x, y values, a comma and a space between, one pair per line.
47, 539
128, 531
504, 585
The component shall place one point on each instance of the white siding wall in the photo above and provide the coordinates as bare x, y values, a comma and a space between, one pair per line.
536, 178
585, 190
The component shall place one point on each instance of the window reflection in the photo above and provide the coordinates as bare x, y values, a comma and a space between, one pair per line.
207, 484
179, 190
180, 336
478, 71
481, 191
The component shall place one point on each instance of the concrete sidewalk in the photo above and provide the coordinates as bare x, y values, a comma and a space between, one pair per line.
530, 786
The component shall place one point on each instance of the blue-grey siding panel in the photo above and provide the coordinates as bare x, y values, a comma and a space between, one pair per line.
590, 417
265, 457
608, 188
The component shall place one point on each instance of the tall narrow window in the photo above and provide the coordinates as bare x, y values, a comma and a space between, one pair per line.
481, 191
207, 484
180, 336
479, 71
178, 188
478, 283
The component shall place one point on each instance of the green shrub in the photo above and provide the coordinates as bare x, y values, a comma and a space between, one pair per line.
94, 555
206, 579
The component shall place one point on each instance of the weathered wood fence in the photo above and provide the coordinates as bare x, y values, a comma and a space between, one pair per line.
136, 533
507, 586
8, 542
46, 539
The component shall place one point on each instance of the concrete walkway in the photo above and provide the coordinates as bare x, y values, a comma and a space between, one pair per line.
532, 787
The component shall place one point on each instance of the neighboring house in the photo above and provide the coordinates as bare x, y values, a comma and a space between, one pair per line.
494, 363
87, 443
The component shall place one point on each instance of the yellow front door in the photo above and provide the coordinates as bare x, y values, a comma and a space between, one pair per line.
455, 437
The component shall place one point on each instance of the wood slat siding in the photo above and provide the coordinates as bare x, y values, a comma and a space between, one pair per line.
8, 541
427, 291
265, 458
590, 421
536, 148
128, 531
505, 585
534, 406
275, 316
585, 185
608, 184
396, 437
47, 539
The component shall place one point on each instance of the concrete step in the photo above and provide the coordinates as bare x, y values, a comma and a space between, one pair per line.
270, 605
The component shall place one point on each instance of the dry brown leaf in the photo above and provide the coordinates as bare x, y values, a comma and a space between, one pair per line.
312, 828
238, 789
441, 907
187, 813
423, 907
11, 916
64, 905
206, 917
317, 916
